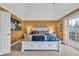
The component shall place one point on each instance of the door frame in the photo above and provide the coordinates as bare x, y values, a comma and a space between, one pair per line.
65, 31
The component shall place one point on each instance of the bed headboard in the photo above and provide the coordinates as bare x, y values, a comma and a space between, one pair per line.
39, 31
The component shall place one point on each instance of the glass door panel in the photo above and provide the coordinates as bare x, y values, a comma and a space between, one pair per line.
73, 30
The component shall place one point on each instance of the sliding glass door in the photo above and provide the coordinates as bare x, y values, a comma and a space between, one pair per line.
73, 31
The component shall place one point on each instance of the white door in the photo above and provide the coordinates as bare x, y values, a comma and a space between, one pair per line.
5, 32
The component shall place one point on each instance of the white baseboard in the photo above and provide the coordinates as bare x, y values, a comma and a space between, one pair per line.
16, 42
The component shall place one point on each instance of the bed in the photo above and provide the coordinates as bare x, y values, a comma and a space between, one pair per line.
41, 41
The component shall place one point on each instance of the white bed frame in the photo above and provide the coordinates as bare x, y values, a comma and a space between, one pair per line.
41, 45
37, 45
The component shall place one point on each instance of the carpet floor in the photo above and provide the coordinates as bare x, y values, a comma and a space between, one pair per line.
66, 51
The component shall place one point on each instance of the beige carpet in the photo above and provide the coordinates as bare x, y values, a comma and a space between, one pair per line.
66, 51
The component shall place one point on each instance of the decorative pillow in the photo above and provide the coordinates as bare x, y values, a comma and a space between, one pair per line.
38, 38
51, 38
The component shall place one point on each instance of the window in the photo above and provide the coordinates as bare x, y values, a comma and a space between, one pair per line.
74, 29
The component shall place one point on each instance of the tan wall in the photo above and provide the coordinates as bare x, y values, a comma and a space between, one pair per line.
49, 24
16, 35
60, 29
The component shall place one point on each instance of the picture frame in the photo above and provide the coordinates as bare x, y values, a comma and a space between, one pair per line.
15, 25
